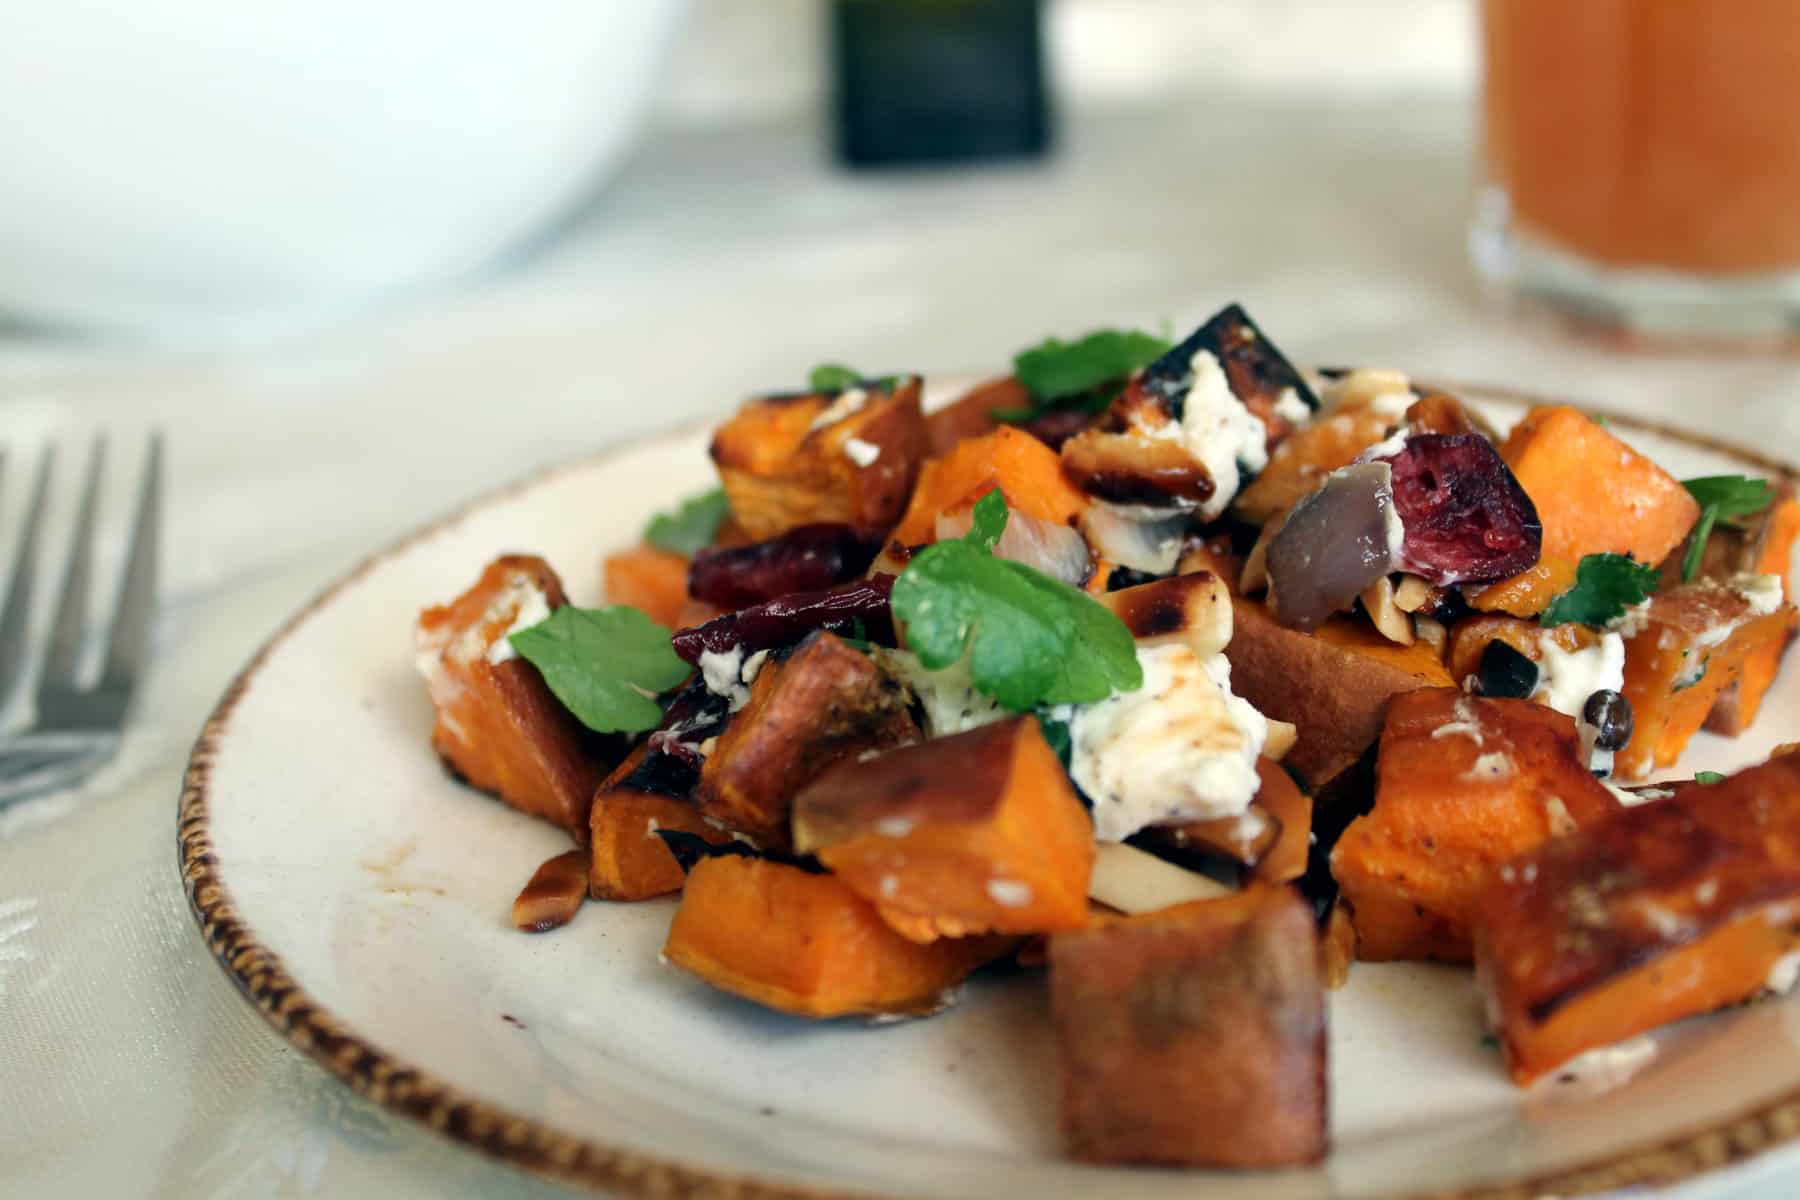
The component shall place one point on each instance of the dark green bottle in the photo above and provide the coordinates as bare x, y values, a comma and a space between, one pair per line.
922, 81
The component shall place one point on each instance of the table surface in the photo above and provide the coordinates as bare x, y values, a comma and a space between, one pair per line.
128, 1063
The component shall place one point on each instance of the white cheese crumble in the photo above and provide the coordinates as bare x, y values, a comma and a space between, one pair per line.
1599, 1070
1392, 405
1632, 621
951, 703
1180, 748
861, 453
1490, 766
1784, 974
1393, 444
848, 402
1761, 592
1220, 432
1009, 893
728, 673
533, 609
1566, 678
1291, 408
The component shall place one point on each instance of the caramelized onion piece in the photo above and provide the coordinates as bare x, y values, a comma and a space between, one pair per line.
1148, 544
1056, 550
1335, 543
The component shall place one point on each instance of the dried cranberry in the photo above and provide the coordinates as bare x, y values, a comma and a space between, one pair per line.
1057, 426
1466, 519
849, 607
804, 559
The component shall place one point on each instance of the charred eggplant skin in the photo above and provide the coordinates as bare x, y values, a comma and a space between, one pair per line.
1256, 369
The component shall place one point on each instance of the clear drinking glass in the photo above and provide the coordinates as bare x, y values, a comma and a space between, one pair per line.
1641, 163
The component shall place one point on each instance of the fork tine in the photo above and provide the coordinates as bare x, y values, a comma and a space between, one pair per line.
64, 655
15, 610
130, 641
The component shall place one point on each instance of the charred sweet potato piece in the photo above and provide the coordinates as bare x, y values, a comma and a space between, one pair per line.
1463, 783
806, 944
1693, 644
554, 894
1666, 910
498, 725
1765, 547
973, 833
1334, 683
1593, 493
1194, 1037
627, 861
827, 702
847, 458
972, 415
1270, 836
1301, 462
649, 579
1529, 592
1027, 472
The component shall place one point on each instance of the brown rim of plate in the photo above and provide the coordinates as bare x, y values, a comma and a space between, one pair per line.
534, 1146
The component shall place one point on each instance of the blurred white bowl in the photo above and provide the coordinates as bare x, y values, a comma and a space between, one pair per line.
219, 165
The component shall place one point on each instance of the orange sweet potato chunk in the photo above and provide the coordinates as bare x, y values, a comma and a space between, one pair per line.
974, 833
1463, 784
807, 944
649, 579
971, 415
1194, 1036
498, 726
1299, 464
627, 861
1593, 493
787, 460
1695, 640
1770, 552
1664, 911
1027, 472
1529, 592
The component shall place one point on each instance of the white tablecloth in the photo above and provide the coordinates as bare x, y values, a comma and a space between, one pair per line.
718, 265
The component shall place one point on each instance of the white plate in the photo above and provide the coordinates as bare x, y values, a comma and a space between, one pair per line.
361, 899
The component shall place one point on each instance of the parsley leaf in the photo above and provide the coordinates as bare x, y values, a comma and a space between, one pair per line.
1029, 639
1605, 586
605, 664
1074, 374
1708, 777
833, 377
1721, 497
691, 527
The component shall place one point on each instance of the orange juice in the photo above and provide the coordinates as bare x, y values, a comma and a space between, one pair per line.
1657, 134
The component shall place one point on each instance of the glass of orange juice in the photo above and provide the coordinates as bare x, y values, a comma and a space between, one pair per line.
1641, 163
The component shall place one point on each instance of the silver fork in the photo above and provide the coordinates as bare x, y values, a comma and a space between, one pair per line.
77, 729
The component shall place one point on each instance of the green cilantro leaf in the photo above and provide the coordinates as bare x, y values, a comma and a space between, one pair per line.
1605, 586
1029, 639
1708, 777
1721, 497
691, 527
1061, 374
605, 664
833, 377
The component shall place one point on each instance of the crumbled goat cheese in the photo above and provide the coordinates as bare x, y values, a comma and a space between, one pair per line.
1761, 592
848, 403
1180, 748
1009, 893
860, 452
951, 703
1566, 678
1599, 1070
1784, 974
1220, 432
533, 609
728, 673
1291, 408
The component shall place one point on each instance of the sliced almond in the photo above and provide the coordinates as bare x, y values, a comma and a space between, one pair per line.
1281, 739
1412, 593
1378, 602
1432, 633
1136, 881
1194, 610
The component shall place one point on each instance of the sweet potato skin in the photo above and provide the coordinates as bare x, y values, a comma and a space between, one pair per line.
1463, 784
1769, 552
497, 725
1333, 684
1195, 1036
649, 579
627, 861
972, 833
806, 944
826, 703
1666, 910
971, 415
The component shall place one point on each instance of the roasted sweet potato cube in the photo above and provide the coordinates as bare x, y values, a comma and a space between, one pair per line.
649, 579
1027, 472
1463, 784
1334, 683
1300, 463
827, 702
1666, 910
973, 833
498, 725
1693, 643
806, 944
1764, 546
1194, 1037
647, 792
848, 458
